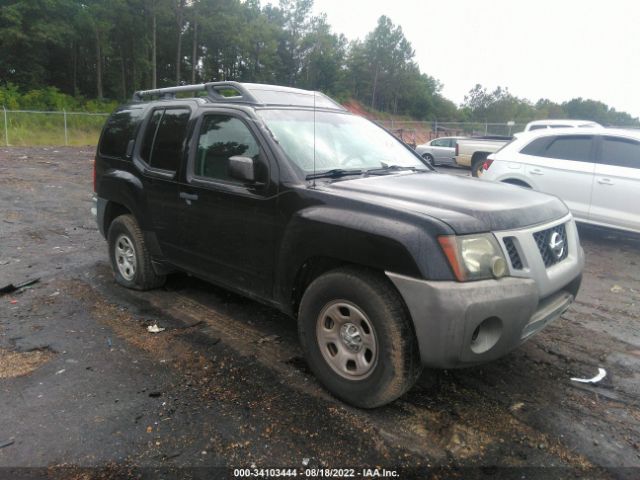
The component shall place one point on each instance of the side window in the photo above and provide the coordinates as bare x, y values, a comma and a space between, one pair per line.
439, 143
119, 130
574, 147
222, 137
164, 138
570, 147
538, 146
452, 143
150, 135
620, 152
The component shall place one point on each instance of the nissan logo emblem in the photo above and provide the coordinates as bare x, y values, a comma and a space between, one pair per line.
556, 244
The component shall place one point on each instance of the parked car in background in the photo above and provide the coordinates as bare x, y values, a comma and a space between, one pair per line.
440, 151
472, 152
596, 171
562, 123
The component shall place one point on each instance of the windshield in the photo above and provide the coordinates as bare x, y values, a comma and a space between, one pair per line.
342, 141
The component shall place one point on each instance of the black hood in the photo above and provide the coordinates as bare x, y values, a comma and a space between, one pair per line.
467, 205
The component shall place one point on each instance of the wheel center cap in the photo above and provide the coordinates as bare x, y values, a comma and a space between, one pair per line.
350, 335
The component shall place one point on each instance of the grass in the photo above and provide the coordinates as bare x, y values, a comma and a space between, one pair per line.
48, 129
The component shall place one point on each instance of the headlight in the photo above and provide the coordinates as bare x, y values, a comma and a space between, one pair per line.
474, 257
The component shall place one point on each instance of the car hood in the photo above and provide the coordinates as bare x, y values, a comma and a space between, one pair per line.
466, 204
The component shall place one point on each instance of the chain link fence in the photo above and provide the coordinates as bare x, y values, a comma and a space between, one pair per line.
34, 127
416, 132
55, 128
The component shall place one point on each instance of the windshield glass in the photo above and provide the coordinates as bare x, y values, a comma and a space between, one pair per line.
342, 141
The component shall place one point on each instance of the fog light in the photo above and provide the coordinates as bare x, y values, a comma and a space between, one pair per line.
498, 267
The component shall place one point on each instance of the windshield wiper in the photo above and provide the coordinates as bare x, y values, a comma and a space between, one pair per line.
393, 168
334, 173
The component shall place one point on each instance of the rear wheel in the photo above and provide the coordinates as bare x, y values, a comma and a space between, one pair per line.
476, 164
429, 159
130, 258
357, 338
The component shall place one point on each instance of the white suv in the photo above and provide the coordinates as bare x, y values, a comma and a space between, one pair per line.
596, 171
544, 124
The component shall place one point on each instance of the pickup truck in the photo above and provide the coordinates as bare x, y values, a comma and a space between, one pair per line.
472, 152
283, 196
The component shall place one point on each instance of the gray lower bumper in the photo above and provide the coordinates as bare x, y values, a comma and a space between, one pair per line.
460, 324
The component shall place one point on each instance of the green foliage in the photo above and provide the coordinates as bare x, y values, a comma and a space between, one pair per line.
500, 106
50, 99
59, 54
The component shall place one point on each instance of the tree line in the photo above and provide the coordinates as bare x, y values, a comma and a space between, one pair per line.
85, 51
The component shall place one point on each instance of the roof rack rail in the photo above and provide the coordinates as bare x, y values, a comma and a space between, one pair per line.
213, 90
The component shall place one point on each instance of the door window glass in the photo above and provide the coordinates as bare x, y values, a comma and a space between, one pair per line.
222, 137
569, 147
620, 152
150, 135
168, 145
575, 147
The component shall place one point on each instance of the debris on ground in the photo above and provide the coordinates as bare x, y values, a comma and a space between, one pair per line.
270, 338
155, 328
617, 289
14, 288
17, 364
516, 406
601, 374
8, 443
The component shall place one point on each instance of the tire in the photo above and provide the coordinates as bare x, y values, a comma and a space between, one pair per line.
389, 361
130, 258
476, 165
429, 159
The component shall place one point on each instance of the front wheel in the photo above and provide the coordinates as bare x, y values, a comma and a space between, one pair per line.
357, 338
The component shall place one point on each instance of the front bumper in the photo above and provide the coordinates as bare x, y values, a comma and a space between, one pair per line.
461, 324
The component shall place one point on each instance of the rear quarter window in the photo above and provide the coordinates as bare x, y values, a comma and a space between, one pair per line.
119, 129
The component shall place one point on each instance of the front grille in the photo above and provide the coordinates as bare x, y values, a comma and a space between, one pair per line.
514, 256
544, 238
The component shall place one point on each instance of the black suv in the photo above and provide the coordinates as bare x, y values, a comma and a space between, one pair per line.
283, 196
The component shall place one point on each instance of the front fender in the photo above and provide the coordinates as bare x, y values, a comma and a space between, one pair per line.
368, 239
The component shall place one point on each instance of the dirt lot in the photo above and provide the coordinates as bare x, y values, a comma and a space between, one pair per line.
86, 391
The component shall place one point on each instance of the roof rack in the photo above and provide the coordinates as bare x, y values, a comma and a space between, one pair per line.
213, 90
248, 93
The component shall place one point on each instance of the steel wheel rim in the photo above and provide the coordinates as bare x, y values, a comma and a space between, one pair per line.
125, 257
347, 340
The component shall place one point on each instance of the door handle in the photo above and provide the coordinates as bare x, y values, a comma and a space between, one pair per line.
605, 181
188, 197
537, 171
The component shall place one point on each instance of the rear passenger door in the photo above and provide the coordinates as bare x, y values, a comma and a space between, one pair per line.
563, 165
230, 225
616, 183
159, 155
440, 149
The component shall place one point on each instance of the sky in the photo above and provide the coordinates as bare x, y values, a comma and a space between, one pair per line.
559, 49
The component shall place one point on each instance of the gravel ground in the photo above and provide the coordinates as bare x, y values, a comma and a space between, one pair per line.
87, 392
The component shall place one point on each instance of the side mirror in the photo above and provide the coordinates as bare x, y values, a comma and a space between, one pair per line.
242, 168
